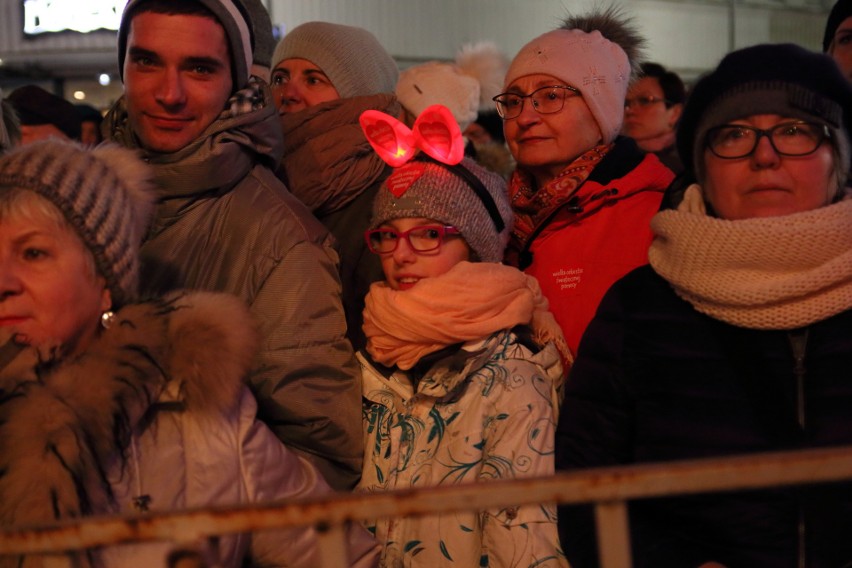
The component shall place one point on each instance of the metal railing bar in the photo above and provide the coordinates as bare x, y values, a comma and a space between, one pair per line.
598, 485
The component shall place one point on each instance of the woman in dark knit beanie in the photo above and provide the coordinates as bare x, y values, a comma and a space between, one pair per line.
737, 338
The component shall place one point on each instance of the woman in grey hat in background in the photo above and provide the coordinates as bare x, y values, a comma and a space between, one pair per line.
737, 338
110, 405
324, 76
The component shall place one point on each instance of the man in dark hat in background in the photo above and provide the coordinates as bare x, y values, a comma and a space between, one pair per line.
44, 115
837, 39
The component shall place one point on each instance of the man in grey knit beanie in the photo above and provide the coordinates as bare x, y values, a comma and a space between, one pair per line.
225, 223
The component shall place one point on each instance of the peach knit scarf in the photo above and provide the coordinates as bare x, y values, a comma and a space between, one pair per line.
763, 273
469, 302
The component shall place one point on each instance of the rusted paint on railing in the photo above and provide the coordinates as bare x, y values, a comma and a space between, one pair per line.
601, 485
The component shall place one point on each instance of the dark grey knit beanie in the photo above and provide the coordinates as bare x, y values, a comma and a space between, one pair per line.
782, 79
105, 194
431, 190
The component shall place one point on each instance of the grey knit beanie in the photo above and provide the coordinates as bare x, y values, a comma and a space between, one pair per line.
352, 58
231, 14
434, 191
105, 194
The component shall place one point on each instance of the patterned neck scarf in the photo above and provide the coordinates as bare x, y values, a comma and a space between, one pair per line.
532, 207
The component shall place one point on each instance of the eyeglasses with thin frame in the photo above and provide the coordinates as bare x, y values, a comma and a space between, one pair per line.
545, 100
423, 238
643, 102
796, 138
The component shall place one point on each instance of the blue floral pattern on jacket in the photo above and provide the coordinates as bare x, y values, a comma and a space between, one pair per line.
486, 412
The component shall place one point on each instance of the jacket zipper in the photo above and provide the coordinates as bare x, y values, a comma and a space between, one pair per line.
798, 343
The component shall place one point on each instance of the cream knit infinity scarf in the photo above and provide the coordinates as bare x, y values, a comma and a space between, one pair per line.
765, 273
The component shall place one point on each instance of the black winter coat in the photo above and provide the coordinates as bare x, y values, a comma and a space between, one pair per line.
655, 380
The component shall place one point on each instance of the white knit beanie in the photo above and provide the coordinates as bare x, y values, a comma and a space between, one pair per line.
439, 83
352, 58
589, 62
105, 194
233, 17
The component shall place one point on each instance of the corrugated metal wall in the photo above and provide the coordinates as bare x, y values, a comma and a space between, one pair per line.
687, 36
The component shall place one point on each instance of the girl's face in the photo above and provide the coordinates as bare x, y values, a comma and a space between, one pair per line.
49, 292
404, 267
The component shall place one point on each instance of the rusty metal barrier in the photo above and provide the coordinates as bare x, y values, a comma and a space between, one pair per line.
608, 488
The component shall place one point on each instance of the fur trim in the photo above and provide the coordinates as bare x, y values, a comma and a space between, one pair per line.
615, 26
488, 65
138, 183
64, 423
214, 342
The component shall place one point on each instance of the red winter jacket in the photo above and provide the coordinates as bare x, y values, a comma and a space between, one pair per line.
597, 236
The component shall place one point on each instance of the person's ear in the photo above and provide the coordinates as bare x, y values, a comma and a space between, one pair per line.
106, 299
674, 114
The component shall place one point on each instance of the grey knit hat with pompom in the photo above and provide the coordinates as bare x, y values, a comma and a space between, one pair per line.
424, 188
104, 193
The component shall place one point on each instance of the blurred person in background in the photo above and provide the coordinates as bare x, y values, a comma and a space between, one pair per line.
651, 112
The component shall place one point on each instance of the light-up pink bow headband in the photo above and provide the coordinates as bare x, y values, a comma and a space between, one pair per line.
437, 134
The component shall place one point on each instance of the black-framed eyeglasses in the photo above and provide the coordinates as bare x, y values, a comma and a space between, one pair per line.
545, 100
643, 102
796, 138
423, 238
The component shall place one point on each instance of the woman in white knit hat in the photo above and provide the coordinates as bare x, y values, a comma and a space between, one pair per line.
737, 338
324, 76
582, 195
111, 405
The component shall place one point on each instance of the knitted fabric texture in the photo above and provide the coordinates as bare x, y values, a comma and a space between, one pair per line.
589, 62
434, 192
105, 194
469, 302
842, 9
763, 273
439, 83
780, 79
352, 58
231, 14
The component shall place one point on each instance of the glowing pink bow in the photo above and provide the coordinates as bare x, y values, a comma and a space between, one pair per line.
435, 132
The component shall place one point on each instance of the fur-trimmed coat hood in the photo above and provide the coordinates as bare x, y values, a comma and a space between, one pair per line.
64, 423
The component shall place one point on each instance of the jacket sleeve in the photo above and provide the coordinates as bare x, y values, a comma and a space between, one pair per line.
271, 472
595, 423
518, 444
306, 381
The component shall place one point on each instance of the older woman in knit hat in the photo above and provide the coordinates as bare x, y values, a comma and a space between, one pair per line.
463, 362
738, 337
582, 195
107, 403
324, 76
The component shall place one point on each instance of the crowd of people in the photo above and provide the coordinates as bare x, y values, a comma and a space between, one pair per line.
279, 270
